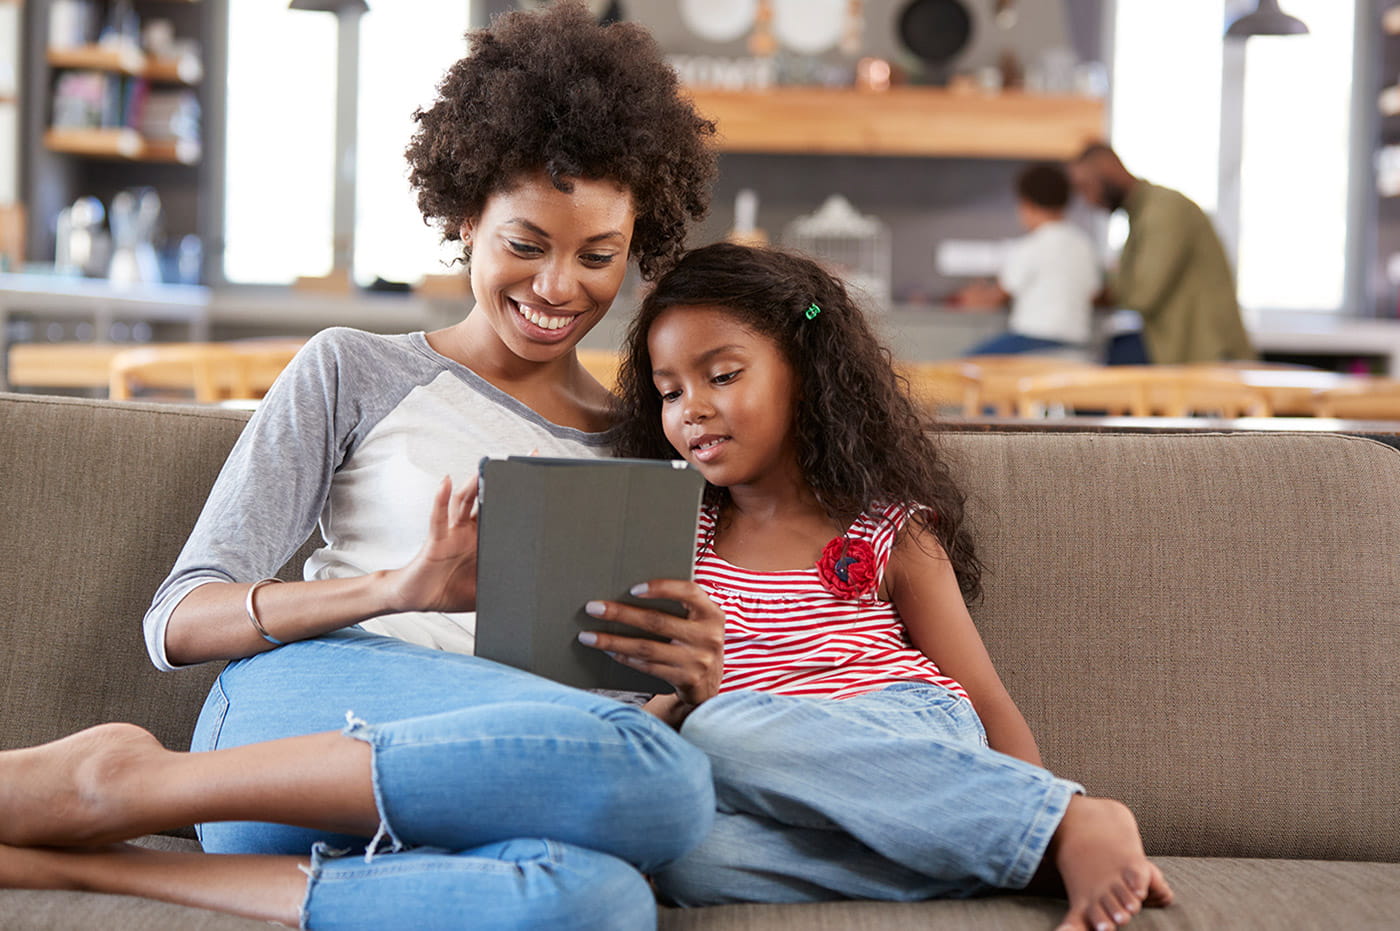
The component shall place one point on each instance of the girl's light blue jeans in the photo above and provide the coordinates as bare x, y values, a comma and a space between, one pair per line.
506, 800
891, 795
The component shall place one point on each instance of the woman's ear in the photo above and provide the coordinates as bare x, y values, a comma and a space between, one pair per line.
466, 229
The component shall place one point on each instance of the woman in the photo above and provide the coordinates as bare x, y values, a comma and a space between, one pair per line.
555, 151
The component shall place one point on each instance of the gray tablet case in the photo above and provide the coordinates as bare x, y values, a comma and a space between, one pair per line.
557, 533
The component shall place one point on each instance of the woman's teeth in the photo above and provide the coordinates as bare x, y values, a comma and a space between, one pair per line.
543, 321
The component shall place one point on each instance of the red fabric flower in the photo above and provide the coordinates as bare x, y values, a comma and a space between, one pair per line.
847, 568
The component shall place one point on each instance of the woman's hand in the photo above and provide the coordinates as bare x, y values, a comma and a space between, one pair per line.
691, 659
442, 576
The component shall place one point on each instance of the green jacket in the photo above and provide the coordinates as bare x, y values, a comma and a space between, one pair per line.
1173, 271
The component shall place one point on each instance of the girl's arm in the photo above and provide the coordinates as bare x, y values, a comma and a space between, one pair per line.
921, 583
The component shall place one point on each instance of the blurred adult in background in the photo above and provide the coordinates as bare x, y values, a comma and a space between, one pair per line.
1173, 270
1050, 276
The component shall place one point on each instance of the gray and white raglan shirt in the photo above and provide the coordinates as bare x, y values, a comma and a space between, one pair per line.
355, 438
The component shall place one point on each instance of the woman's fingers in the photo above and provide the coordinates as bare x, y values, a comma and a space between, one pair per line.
442, 508
464, 502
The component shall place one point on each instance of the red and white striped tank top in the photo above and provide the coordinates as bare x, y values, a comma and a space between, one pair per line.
788, 633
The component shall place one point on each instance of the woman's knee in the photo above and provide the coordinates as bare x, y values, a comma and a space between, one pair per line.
672, 798
523, 883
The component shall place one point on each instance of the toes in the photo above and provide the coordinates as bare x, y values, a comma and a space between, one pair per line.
1159, 894
1111, 906
1075, 920
1100, 918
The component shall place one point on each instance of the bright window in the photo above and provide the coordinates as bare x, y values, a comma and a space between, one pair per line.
280, 194
279, 197
1293, 181
1295, 155
401, 62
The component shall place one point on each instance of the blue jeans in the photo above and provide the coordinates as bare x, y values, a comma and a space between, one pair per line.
1012, 343
891, 795
508, 801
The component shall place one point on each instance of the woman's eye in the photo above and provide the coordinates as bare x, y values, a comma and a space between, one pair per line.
599, 259
523, 248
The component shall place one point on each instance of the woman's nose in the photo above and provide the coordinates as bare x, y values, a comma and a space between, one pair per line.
557, 283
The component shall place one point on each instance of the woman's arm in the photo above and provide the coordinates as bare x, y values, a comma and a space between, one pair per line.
921, 583
211, 622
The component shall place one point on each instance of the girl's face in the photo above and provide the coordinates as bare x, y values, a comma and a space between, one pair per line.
727, 397
546, 265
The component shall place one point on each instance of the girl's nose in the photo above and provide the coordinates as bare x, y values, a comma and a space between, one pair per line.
697, 409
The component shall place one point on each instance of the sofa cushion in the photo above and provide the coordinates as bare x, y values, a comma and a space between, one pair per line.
1205, 626
1242, 895
98, 498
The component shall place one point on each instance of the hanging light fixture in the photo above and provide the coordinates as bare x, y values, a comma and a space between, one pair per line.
1266, 20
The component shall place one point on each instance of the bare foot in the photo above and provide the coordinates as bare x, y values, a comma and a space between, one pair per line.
71, 792
1107, 876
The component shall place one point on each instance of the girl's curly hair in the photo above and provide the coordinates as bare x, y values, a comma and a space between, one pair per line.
861, 439
555, 92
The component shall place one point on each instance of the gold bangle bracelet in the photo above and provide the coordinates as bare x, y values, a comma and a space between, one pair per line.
253, 615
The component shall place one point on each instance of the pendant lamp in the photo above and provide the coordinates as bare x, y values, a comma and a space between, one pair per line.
1266, 20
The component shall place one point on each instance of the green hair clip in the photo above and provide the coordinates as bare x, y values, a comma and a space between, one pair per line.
812, 311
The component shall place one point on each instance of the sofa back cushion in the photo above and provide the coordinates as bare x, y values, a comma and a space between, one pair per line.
98, 498
1207, 627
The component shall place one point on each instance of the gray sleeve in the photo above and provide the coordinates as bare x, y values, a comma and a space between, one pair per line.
271, 490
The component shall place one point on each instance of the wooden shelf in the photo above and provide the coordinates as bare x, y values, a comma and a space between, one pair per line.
902, 121
121, 144
186, 69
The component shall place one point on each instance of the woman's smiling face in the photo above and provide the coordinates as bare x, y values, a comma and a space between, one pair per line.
546, 264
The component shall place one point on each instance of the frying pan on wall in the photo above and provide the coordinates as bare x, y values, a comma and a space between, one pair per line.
935, 31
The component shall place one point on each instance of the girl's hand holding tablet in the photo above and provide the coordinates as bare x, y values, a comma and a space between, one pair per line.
692, 656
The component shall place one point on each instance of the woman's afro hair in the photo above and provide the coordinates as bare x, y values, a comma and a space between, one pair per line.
554, 92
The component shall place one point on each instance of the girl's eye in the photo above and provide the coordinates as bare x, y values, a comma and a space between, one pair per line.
668, 396
523, 248
726, 377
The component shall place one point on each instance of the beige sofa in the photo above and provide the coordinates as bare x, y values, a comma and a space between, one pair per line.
1207, 627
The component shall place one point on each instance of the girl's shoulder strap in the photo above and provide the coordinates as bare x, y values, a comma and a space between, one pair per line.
880, 526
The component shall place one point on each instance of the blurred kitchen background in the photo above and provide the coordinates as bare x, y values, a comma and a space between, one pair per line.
210, 169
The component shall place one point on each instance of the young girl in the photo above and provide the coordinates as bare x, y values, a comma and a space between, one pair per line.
862, 744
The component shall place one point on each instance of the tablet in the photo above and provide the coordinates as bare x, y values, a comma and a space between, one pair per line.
557, 533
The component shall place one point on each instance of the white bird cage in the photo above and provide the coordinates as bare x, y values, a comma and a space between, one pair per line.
848, 244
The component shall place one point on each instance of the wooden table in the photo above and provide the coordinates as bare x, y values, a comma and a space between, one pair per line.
88, 365
1384, 431
1290, 391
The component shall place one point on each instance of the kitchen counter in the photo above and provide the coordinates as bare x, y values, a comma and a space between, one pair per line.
917, 333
